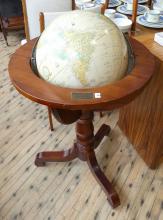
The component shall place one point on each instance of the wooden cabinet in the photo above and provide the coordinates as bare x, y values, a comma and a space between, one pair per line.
11, 16
142, 119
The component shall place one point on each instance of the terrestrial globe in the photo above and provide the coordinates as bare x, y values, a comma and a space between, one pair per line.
80, 55
81, 50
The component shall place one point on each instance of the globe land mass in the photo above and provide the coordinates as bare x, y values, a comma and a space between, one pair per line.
80, 42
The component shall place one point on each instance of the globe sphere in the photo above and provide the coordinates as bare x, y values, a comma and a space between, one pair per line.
81, 50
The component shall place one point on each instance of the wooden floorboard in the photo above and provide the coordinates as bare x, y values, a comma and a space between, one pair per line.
66, 191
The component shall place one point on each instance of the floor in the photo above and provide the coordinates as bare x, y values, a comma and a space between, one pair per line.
66, 190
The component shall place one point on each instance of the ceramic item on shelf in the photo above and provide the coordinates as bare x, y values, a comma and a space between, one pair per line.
158, 1
92, 7
123, 24
112, 3
129, 5
100, 1
152, 16
81, 3
110, 13
141, 9
143, 21
116, 15
89, 5
158, 6
139, 1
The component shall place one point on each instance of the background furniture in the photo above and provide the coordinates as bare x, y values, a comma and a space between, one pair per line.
97, 8
3, 28
10, 8
142, 119
46, 18
31, 10
134, 15
120, 93
10, 16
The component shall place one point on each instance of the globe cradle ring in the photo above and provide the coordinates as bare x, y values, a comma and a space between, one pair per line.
113, 95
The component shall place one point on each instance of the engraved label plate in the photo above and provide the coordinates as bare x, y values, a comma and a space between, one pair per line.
84, 95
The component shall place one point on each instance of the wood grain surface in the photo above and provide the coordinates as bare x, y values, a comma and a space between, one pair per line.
142, 119
113, 95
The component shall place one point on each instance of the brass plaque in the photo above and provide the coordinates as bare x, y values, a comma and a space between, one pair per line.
80, 96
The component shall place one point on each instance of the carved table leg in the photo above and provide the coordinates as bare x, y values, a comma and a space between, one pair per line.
112, 196
58, 156
86, 142
50, 119
101, 114
103, 131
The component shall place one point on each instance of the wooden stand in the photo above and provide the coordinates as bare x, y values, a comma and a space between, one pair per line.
67, 110
84, 149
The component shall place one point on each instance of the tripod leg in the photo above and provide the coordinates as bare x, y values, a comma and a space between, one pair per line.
103, 131
50, 119
58, 156
112, 195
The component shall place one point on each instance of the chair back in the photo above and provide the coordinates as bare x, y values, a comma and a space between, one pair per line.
46, 18
105, 6
32, 9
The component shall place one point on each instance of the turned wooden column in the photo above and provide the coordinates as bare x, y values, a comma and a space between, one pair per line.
85, 135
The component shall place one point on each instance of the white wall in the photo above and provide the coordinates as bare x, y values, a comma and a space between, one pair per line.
34, 7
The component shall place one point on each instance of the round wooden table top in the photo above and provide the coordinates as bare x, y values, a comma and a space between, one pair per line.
112, 95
